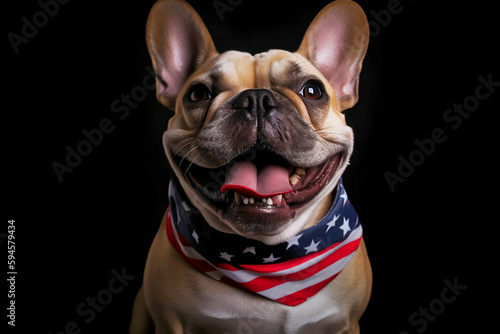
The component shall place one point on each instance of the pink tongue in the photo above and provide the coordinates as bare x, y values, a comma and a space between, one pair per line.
244, 178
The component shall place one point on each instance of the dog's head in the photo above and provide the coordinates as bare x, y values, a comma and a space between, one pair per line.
258, 142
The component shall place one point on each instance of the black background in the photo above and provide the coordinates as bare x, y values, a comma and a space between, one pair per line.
437, 225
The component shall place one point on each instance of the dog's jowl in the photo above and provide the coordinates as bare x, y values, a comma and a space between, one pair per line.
259, 228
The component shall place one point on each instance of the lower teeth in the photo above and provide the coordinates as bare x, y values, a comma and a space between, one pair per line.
246, 200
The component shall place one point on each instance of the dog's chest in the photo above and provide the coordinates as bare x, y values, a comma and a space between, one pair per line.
241, 313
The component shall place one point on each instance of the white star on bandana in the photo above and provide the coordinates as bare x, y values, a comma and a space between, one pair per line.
270, 259
226, 256
313, 247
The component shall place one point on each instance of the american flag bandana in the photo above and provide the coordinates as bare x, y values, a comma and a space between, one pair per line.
288, 273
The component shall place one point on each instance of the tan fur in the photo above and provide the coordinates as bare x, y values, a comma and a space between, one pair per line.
178, 299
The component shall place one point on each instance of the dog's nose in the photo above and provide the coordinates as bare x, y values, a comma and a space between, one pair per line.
255, 101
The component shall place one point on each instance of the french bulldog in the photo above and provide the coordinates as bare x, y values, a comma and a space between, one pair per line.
258, 144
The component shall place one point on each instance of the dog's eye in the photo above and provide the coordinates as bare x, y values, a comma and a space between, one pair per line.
199, 93
311, 91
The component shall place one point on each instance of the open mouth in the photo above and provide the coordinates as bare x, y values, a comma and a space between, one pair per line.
260, 182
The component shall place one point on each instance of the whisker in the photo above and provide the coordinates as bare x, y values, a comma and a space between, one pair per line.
185, 155
191, 164
322, 131
187, 144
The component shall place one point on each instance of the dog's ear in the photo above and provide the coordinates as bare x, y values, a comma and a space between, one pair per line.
336, 43
178, 43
